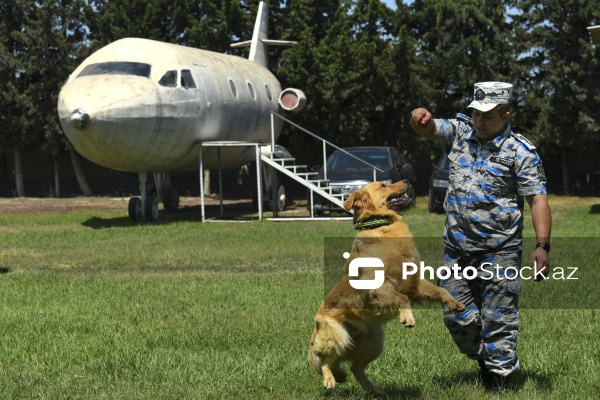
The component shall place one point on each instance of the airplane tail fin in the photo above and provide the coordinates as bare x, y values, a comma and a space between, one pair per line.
259, 44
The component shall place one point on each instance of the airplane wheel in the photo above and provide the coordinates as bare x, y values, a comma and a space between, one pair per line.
171, 198
135, 209
151, 208
281, 200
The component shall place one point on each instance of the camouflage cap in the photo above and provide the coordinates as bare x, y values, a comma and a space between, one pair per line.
489, 94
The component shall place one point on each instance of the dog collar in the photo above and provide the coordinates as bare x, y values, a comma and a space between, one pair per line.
372, 223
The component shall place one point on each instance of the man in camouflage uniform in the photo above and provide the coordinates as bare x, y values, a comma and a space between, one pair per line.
491, 170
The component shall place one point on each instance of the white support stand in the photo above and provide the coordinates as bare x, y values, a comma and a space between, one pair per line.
218, 145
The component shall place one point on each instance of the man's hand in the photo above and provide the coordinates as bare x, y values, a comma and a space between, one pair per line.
421, 117
540, 260
422, 123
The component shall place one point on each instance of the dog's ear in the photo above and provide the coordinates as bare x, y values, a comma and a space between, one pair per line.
359, 199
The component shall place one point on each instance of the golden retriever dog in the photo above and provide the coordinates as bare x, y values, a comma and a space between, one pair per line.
349, 323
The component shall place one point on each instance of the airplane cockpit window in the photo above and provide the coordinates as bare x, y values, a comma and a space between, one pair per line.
169, 79
187, 81
117, 68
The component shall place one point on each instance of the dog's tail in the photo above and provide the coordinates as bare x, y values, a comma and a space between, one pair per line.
329, 339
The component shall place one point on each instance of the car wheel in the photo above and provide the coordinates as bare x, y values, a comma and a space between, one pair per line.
413, 195
430, 203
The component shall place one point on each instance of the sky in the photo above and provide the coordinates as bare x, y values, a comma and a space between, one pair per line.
390, 3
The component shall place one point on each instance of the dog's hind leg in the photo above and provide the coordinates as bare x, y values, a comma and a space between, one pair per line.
367, 348
428, 291
339, 374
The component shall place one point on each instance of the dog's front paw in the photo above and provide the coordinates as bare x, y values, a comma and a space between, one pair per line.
455, 305
407, 319
329, 382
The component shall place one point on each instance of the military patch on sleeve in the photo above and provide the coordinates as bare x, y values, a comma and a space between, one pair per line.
524, 140
503, 160
540, 170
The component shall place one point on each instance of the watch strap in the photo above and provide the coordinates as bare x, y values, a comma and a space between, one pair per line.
543, 245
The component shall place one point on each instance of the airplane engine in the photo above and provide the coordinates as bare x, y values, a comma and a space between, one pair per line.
292, 99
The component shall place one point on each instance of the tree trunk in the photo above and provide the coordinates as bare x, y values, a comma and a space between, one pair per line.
565, 171
18, 173
83, 185
56, 177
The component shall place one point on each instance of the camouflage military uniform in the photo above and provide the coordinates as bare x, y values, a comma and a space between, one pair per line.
484, 206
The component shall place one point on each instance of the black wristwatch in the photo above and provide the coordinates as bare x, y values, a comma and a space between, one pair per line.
544, 245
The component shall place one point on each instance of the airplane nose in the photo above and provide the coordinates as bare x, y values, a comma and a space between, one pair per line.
80, 118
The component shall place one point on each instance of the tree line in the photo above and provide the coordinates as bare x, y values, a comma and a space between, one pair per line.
362, 65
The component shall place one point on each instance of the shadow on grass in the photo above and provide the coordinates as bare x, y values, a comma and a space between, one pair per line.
239, 211
385, 392
517, 380
595, 209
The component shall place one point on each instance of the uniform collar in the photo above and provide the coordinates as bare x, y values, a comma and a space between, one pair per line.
495, 142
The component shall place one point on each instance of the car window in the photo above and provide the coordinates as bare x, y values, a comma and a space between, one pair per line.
378, 158
340, 160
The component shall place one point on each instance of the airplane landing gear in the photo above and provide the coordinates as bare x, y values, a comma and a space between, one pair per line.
135, 209
146, 207
151, 208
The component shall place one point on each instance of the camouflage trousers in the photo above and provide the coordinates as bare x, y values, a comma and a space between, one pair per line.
487, 329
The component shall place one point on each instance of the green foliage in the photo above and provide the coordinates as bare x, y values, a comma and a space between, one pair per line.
42, 42
362, 66
558, 76
459, 43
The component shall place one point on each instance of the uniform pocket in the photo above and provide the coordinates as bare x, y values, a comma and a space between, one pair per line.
459, 169
513, 285
498, 178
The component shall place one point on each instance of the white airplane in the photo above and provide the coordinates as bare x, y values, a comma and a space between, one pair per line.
144, 106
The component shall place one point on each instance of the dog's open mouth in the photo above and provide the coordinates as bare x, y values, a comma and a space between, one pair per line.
399, 201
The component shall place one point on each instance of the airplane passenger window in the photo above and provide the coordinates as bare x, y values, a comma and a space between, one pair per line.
251, 91
117, 68
187, 81
169, 79
232, 87
268, 91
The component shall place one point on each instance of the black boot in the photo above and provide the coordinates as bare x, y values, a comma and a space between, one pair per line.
492, 382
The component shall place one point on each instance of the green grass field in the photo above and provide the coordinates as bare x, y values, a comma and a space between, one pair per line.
96, 307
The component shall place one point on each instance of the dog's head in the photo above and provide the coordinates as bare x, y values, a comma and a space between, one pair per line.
380, 198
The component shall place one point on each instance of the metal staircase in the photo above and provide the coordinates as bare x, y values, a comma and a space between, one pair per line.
286, 166
301, 175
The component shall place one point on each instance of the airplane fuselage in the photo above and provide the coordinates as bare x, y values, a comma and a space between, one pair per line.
139, 105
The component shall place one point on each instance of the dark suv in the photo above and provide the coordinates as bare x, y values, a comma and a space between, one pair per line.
347, 175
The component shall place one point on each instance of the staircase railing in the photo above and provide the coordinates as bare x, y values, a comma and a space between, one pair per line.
318, 186
324, 142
